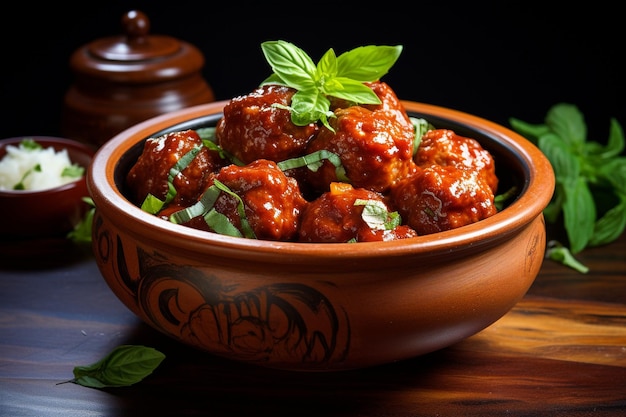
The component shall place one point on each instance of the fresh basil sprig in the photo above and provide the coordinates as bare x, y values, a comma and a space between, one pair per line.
590, 191
337, 76
123, 366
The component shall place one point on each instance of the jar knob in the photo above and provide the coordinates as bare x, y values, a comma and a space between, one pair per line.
135, 25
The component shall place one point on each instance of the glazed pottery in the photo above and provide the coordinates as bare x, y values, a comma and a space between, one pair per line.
123, 80
320, 307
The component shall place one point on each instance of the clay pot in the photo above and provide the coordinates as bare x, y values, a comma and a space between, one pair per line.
320, 307
123, 80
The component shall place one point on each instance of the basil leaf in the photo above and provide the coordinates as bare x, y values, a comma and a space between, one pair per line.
207, 134
555, 207
327, 66
566, 166
290, 63
274, 79
246, 228
610, 226
616, 142
502, 199
81, 233
351, 90
125, 365
566, 121
614, 171
221, 224
333, 76
598, 154
308, 106
152, 204
420, 127
590, 177
530, 131
184, 215
314, 161
559, 253
367, 63
579, 213
376, 215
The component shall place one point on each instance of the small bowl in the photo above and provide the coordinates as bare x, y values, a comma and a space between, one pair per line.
327, 306
45, 213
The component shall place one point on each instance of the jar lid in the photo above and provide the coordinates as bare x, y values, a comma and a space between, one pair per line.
137, 56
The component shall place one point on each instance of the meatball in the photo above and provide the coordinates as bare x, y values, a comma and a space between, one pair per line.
252, 127
374, 148
445, 147
334, 217
389, 103
272, 201
149, 175
439, 198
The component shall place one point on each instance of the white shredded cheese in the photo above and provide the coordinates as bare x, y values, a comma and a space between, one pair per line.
18, 165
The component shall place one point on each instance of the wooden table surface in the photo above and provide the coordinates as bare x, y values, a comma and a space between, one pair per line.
561, 351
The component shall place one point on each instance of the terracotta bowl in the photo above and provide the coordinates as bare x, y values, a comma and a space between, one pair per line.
45, 213
320, 307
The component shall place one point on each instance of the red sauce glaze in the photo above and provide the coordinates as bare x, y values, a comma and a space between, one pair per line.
375, 149
389, 103
272, 200
450, 182
150, 173
445, 147
253, 128
439, 198
333, 217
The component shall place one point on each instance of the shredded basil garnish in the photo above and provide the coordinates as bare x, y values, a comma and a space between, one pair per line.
313, 161
420, 127
215, 220
200, 208
152, 204
221, 224
245, 226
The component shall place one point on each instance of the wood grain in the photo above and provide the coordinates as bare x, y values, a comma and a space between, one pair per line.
596, 333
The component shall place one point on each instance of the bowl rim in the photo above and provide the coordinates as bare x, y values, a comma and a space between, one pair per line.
72, 146
502, 225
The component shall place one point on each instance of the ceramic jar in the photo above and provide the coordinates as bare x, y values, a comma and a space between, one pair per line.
123, 80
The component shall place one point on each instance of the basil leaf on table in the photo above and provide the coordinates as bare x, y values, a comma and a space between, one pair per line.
125, 365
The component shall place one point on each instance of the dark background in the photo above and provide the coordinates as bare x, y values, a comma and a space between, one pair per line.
507, 59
